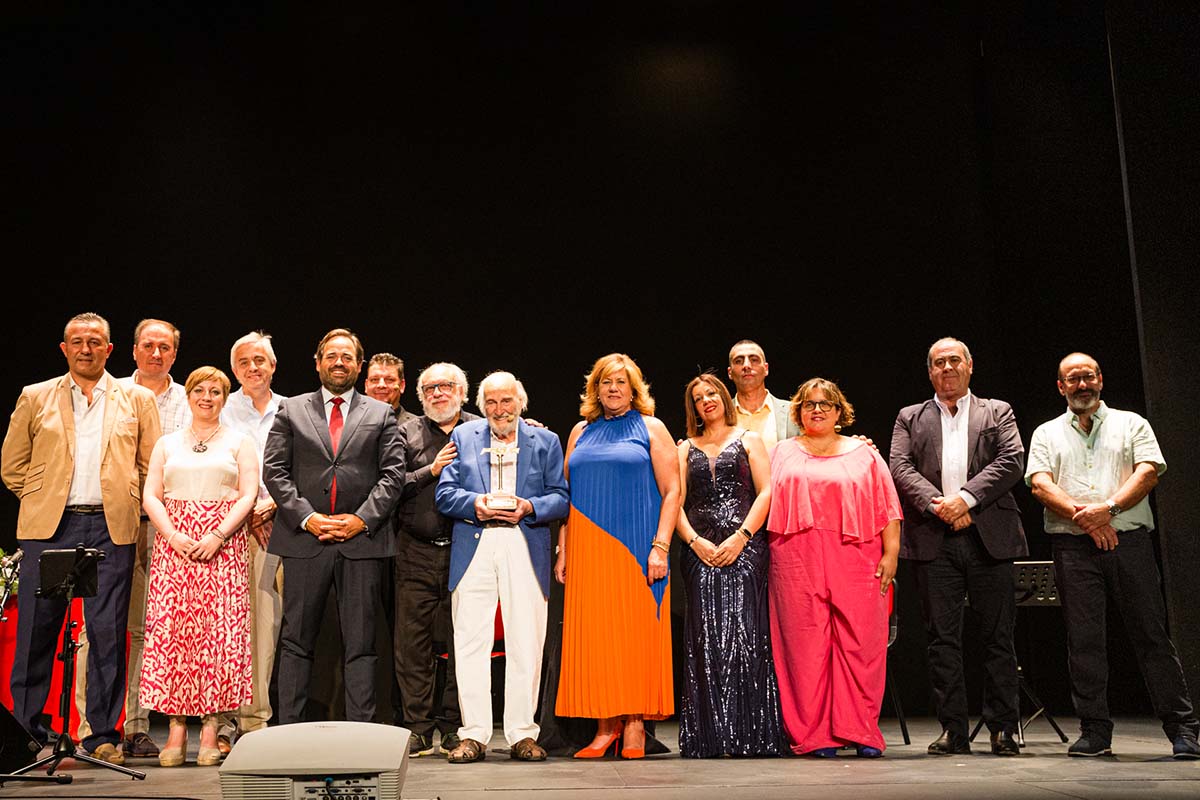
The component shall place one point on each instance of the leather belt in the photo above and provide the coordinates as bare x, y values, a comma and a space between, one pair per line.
491, 523
84, 509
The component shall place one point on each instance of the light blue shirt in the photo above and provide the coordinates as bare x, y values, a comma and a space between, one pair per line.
240, 414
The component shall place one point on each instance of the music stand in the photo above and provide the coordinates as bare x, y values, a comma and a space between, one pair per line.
1033, 584
69, 574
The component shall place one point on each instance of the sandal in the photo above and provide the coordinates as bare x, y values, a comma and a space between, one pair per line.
527, 750
467, 752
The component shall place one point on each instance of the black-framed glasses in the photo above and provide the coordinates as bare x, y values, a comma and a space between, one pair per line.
1075, 380
429, 390
818, 405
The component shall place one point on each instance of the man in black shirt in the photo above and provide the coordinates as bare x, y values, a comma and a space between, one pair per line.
422, 568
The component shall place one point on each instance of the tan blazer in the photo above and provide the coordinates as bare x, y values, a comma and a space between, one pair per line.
38, 457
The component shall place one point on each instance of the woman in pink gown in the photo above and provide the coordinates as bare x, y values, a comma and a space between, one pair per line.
835, 538
201, 486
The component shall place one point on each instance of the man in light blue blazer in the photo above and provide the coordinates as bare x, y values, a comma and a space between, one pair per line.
503, 491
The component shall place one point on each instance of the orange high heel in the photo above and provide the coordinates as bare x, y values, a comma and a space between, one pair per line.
601, 744
635, 752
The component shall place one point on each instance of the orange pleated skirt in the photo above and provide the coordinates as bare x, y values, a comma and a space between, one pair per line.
616, 648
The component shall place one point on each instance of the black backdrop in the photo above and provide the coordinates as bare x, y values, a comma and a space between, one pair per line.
530, 190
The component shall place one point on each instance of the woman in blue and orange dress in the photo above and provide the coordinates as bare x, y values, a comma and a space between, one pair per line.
612, 557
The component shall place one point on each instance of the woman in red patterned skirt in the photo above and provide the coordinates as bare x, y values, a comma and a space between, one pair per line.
202, 485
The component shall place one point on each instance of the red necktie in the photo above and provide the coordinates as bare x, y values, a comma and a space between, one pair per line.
335, 438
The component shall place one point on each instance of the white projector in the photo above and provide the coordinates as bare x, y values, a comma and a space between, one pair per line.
310, 760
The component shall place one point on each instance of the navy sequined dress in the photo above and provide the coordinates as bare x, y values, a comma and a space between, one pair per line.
731, 697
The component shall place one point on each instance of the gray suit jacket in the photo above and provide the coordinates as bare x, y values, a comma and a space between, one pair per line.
299, 465
996, 462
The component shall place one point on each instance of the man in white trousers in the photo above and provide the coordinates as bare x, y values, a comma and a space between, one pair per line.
503, 492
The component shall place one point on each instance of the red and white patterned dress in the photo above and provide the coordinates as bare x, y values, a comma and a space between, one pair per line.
197, 652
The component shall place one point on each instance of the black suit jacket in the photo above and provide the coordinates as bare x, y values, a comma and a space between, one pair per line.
996, 462
299, 465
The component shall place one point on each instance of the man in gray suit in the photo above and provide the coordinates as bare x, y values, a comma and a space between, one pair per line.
757, 409
334, 465
955, 459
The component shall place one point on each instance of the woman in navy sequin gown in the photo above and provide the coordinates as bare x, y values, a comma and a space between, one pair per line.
731, 699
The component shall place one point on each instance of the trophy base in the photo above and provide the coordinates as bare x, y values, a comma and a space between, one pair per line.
502, 503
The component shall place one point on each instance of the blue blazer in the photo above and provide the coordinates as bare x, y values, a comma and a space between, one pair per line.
540, 480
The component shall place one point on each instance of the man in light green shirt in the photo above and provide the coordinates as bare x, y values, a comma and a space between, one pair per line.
1093, 469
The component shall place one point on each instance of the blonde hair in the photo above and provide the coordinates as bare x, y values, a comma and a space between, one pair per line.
590, 408
832, 393
201, 374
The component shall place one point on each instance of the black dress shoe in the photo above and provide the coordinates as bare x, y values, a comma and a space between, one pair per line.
1003, 744
950, 744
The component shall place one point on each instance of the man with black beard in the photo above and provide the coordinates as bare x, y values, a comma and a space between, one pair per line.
334, 466
1093, 468
422, 568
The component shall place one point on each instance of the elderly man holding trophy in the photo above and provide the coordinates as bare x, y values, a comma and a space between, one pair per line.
503, 492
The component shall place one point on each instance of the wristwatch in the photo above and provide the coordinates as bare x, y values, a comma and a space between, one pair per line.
1113, 508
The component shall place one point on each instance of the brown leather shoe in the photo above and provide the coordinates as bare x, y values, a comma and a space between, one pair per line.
468, 752
139, 745
527, 750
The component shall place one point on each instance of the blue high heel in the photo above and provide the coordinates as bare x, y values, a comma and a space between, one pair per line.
823, 752
866, 751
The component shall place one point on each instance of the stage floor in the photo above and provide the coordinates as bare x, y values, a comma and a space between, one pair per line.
1141, 768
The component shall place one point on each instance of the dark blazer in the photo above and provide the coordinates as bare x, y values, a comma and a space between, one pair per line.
540, 480
298, 469
996, 462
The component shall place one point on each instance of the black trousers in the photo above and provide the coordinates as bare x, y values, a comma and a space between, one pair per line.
1088, 579
358, 587
963, 569
40, 621
422, 575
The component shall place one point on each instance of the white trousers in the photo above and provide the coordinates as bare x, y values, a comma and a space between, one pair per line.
499, 572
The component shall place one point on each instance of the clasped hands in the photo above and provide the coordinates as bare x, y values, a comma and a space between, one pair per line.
334, 527
510, 516
721, 555
1096, 523
953, 511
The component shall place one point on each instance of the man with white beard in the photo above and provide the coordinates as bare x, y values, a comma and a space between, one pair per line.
422, 567
503, 492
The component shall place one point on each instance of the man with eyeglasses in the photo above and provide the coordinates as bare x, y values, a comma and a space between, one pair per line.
422, 568
334, 466
955, 459
1093, 469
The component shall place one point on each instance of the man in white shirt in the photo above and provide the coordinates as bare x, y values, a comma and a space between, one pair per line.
155, 347
251, 410
1093, 468
954, 459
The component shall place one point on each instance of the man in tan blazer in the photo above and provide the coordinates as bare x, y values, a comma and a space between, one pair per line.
76, 454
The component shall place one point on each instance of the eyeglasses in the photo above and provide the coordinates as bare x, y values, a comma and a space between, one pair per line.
814, 405
433, 388
1075, 380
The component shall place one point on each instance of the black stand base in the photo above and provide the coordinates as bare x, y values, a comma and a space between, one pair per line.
1038, 711
65, 748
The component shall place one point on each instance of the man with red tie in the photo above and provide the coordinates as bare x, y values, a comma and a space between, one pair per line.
334, 465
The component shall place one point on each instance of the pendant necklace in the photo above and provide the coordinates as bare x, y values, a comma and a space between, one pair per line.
200, 446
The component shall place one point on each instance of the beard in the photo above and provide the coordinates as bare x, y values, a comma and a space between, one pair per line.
1082, 402
503, 426
441, 417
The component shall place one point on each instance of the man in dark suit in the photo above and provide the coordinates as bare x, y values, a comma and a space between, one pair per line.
335, 467
955, 459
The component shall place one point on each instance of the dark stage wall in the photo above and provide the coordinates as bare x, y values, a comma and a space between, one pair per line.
509, 190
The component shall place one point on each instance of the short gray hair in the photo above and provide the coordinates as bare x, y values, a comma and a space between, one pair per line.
254, 337
502, 377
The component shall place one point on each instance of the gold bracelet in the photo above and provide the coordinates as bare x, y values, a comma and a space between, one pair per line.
692, 541
666, 548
